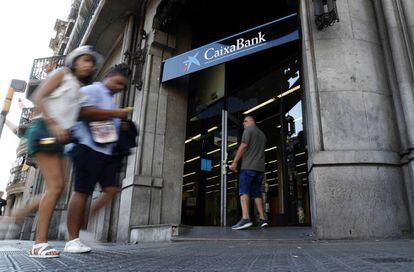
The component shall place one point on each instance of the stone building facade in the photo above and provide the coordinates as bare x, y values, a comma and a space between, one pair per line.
355, 124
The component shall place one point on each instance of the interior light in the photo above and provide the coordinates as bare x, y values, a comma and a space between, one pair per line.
190, 174
196, 137
289, 91
212, 129
214, 151
193, 138
199, 135
193, 159
271, 148
272, 99
210, 178
271, 162
233, 144
260, 106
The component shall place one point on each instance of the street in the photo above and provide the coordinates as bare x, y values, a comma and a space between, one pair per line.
375, 255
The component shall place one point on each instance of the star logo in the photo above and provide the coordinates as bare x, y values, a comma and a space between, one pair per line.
189, 61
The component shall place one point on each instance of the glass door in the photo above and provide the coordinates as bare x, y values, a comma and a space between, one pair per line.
233, 132
210, 191
267, 86
202, 168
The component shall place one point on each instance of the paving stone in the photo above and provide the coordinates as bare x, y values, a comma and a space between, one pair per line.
229, 256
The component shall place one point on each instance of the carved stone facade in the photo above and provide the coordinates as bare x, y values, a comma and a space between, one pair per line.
359, 108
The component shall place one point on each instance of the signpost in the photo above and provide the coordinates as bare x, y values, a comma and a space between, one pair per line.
15, 86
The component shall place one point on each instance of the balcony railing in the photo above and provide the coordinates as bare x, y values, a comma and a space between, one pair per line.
86, 11
42, 67
25, 120
19, 177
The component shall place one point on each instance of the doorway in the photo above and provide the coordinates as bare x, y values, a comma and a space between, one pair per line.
267, 85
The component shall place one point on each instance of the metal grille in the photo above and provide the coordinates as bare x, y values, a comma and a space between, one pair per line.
42, 67
85, 24
25, 120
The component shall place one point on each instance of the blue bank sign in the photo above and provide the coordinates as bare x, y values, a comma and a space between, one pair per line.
275, 33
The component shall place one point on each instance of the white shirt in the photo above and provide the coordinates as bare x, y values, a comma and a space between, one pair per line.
64, 103
98, 96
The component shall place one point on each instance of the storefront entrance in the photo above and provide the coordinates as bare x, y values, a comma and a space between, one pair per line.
268, 86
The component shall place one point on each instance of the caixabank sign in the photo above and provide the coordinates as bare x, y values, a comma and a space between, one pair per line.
275, 33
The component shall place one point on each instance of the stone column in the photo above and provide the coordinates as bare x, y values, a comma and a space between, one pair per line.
151, 191
407, 8
355, 177
398, 24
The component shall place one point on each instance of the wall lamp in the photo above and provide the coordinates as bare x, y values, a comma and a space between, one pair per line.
326, 13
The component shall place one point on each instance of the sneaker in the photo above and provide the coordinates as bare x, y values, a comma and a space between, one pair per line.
76, 246
263, 223
242, 224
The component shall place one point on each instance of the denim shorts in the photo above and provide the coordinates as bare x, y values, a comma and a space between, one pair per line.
34, 133
250, 183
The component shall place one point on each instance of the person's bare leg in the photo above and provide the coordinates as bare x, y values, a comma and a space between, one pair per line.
76, 213
244, 200
51, 167
108, 193
32, 207
259, 206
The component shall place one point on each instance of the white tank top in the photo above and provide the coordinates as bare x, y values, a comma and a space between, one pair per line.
64, 103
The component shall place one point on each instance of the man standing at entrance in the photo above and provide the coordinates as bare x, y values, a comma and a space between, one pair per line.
252, 150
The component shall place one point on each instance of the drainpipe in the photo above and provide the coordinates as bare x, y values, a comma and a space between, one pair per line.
142, 103
143, 114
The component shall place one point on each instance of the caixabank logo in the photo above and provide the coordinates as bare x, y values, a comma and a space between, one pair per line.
248, 42
191, 60
212, 53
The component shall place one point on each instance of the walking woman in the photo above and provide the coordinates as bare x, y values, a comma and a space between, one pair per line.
58, 99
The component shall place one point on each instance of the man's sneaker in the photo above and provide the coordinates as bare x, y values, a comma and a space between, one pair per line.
263, 223
76, 246
242, 224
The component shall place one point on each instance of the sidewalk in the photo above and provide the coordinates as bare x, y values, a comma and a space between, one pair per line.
389, 255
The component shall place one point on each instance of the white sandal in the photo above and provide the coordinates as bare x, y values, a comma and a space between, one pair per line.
41, 251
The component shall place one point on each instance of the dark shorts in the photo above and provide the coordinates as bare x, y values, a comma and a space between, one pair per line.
91, 167
250, 183
38, 129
